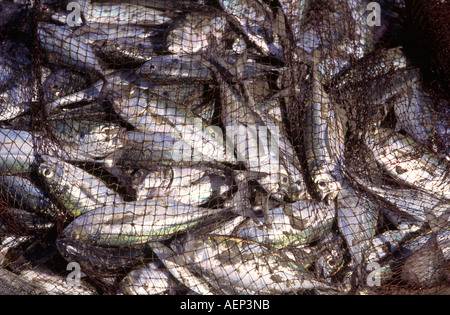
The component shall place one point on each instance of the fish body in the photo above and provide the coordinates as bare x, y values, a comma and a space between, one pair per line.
324, 143
74, 188
236, 266
138, 222
409, 162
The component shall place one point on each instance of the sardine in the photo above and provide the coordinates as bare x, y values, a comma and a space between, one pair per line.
100, 261
177, 267
61, 46
149, 279
236, 266
21, 192
129, 223
17, 151
124, 13
76, 190
186, 185
61, 83
195, 32
324, 142
409, 162
291, 225
357, 217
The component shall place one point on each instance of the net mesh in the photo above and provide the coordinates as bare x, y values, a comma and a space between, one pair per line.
224, 147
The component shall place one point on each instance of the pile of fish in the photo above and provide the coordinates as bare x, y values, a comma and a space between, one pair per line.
218, 147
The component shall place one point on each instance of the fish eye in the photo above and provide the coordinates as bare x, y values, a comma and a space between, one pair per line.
47, 172
321, 184
284, 179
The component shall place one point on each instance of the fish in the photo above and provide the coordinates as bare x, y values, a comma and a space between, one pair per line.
123, 13
357, 217
290, 225
324, 142
236, 266
136, 222
150, 113
408, 161
75, 189
23, 193
182, 184
194, 32
55, 284
17, 151
127, 50
148, 279
61, 83
60, 45
85, 139
256, 144
255, 19
100, 261
13, 284
413, 202
178, 269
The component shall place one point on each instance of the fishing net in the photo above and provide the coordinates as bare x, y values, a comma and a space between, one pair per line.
224, 147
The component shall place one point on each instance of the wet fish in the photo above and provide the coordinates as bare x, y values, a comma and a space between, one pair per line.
76, 190
256, 20
129, 223
61, 83
195, 32
236, 266
62, 47
291, 225
100, 261
190, 186
21, 192
178, 269
123, 13
409, 162
148, 279
17, 151
324, 142
357, 218
85, 139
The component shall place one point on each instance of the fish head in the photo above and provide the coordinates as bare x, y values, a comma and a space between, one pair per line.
52, 172
327, 188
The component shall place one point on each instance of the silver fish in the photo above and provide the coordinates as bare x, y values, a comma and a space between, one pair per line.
186, 185
64, 48
148, 279
177, 267
293, 224
85, 139
324, 142
409, 162
17, 151
357, 218
100, 261
61, 83
138, 222
23, 193
236, 266
195, 32
123, 13
76, 190
256, 20
55, 284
